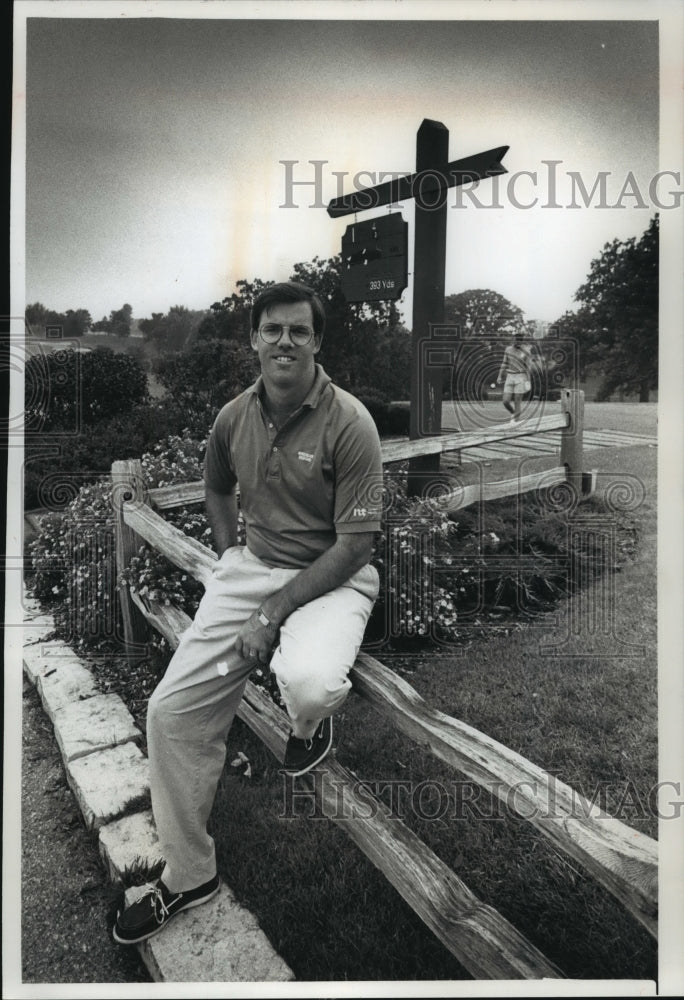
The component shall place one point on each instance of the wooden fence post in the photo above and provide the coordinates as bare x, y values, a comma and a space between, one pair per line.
572, 403
128, 484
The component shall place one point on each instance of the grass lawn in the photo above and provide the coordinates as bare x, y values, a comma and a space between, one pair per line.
586, 712
638, 418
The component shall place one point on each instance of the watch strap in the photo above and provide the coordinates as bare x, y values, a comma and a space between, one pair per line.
265, 621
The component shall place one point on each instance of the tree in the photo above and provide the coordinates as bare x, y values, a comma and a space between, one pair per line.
208, 375
37, 316
149, 327
619, 314
482, 319
569, 344
77, 322
481, 312
74, 322
174, 330
360, 338
120, 321
229, 319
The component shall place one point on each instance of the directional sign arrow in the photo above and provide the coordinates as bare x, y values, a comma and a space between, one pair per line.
425, 186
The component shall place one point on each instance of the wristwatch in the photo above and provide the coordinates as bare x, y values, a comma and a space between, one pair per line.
266, 622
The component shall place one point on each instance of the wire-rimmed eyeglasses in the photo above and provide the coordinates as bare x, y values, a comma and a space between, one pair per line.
271, 333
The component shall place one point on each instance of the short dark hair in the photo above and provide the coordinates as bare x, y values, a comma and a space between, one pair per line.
287, 292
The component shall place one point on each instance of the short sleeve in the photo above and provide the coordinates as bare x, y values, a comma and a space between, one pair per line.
358, 476
219, 474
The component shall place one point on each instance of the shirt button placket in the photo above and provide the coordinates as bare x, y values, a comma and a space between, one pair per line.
274, 463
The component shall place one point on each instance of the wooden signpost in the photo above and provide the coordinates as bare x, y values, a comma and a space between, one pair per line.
428, 186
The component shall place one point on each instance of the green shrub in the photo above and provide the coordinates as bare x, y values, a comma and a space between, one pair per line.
208, 374
50, 481
389, 418
513, 557
73, 566
67, 390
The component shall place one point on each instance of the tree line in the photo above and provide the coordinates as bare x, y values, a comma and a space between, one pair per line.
367, 348
77, 322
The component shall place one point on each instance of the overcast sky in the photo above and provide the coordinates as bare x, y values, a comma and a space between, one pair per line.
153, 146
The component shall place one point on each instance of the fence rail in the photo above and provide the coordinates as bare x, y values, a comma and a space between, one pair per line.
619, 857
480, 938
570, 421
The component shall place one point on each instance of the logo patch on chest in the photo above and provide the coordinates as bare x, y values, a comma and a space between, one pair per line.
305, 456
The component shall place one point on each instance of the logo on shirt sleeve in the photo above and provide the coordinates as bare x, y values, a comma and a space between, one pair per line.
365, 512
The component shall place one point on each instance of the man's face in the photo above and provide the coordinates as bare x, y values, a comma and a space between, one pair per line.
286, 364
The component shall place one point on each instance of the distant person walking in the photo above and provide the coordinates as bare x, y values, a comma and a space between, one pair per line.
515, 369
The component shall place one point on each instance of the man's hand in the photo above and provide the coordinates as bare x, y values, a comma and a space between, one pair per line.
255, 641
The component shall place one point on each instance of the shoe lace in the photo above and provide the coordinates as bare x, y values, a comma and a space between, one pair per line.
161, 910
319, 734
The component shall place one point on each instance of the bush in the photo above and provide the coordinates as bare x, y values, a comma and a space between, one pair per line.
51, 481
73, 558
390, 418
73, 563
67, 390
207, 375
440, 573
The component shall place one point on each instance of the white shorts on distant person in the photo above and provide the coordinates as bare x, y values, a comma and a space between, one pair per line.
517, 383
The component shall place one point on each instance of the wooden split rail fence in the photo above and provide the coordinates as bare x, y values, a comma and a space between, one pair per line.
488, 946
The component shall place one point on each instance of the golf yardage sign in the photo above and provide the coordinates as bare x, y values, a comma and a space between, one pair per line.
375, 259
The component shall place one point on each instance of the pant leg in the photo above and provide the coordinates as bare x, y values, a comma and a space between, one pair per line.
318, 645
191, 711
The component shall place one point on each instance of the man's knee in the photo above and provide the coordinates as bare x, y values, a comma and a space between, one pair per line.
165, 713
155, 710
312, 690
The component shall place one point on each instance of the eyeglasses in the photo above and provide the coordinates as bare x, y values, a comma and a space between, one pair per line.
271, 333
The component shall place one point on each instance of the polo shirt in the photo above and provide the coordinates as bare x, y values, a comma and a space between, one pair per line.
320, 474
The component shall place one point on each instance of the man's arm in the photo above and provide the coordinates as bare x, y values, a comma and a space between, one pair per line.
333, 567
222, 515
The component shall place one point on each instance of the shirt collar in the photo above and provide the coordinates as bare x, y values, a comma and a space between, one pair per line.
314, 394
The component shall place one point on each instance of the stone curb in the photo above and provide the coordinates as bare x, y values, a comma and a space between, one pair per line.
105, 781
97, 723
220, 941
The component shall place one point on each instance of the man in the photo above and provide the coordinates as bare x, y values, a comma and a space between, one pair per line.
306, 456
515, 367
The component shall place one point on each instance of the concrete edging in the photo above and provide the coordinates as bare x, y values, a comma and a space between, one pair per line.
219, 941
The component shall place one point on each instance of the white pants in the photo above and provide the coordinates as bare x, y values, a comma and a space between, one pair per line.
191, 710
